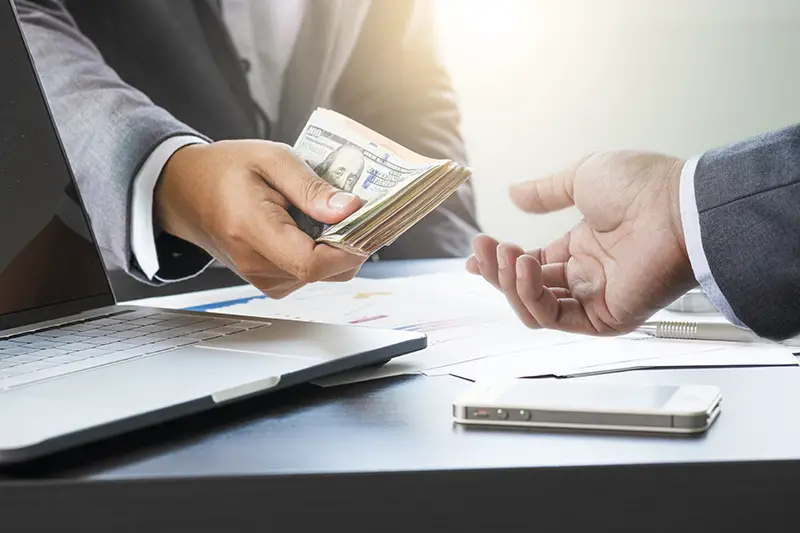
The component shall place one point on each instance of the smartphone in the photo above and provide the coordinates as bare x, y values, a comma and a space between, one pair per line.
622, 407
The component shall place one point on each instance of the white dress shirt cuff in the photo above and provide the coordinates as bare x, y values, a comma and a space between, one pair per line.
143, 244
690, 220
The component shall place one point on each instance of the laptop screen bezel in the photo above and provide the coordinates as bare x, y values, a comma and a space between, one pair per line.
72, 307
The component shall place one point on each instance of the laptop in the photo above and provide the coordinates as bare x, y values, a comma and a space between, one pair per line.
76, 367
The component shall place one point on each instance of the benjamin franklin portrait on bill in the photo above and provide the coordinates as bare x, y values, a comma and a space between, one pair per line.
342, 167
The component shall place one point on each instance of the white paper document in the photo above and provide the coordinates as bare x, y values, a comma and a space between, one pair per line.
604, 355
473, 333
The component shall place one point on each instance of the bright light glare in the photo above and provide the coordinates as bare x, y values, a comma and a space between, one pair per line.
479, 27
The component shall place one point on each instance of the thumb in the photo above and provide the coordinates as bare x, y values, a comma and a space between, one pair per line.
292, 177
546, 194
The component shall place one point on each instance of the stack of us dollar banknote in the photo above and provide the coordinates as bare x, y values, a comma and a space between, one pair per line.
397, 186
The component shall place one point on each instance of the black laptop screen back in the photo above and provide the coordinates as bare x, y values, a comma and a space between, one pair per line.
49, 266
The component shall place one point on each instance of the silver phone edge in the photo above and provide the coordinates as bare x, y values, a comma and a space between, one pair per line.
707, 419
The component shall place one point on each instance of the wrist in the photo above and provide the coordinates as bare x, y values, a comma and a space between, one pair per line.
170, 206
674, 172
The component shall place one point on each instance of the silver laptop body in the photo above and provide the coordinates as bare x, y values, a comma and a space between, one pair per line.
74, 366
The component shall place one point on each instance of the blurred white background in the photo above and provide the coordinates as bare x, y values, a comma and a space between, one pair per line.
543, 82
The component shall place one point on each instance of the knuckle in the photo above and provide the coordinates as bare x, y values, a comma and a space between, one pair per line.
307, 272
312, 188
284, 156
282, 149
234, 232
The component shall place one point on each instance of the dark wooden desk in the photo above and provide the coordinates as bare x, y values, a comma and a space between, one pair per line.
386, 456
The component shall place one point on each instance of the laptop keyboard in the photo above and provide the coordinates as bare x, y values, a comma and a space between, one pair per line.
50, 353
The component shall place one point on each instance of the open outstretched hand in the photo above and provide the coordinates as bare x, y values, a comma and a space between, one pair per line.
624, 260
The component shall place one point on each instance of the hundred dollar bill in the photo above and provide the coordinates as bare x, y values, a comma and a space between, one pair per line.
395, 184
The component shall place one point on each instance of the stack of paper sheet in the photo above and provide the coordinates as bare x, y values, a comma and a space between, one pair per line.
472, 332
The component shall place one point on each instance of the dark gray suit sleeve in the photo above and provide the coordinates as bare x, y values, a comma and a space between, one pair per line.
108, 128
748, 200
396, 84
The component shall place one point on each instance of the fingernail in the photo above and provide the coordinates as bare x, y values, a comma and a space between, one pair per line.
340, 200
502, 260
520, 268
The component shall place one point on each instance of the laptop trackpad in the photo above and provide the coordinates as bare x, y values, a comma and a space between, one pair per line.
36, 412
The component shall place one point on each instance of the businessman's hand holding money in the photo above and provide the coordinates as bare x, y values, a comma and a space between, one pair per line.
282, 217
231, 199
624, 261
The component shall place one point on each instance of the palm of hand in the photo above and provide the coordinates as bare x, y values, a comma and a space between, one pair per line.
622, 262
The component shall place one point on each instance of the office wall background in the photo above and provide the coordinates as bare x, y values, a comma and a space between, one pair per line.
542, 82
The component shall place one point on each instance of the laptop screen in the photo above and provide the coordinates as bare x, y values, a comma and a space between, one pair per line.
49, 265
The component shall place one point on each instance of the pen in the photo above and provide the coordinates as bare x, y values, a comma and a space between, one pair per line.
703, 331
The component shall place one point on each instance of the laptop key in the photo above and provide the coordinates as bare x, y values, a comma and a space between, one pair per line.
76, 346
22, 349
226, 321
252, 325
42, 345
119, 345
8, 344
202, 335
189, 320
90, 333
227, 330
50, 333
192, 328
27, 339
164, 335
134, 352
122, 326
28, 358
144, 322
93, 352
146, 330
164, 316
148, 339
98, 322
68, 358
99, 341
131, 334
68, 338
15, 379
49, 352
170, 324
130, 316
77, 327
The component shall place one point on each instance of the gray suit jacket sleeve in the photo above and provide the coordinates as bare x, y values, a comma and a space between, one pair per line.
396, 84
748, 199
107, 127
